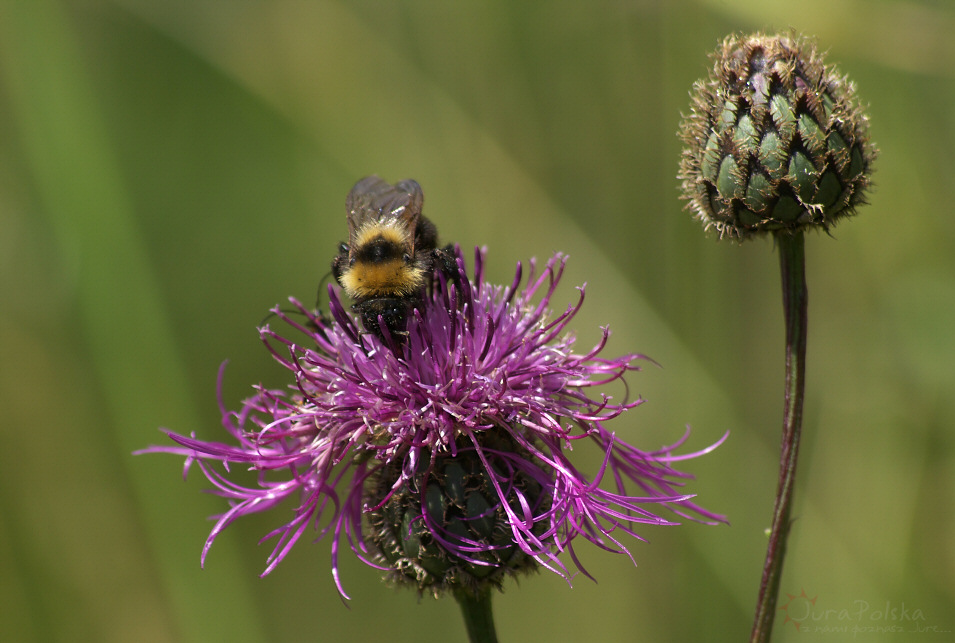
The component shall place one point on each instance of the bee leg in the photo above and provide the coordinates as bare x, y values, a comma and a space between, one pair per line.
443, 259
340, 262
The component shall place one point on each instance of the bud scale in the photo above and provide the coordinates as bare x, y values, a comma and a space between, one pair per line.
775, 140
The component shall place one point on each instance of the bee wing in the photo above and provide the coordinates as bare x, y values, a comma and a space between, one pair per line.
373, 200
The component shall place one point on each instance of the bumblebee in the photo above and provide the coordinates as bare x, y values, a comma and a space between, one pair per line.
391, 255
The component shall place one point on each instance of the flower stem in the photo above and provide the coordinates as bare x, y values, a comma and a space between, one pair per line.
478, 618
792, 264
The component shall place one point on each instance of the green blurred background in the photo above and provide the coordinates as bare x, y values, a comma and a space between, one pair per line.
170, 169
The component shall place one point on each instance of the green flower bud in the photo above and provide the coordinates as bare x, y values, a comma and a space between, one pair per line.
447, 528
775, 140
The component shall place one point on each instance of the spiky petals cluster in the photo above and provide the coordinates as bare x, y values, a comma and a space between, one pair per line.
482, 366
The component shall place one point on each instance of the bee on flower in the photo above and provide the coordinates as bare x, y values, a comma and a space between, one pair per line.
444, 462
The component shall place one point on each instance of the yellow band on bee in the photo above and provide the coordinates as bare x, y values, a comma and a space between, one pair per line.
392, 232
393, 278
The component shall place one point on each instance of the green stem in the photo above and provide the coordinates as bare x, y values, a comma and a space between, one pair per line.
478, 618
792, 264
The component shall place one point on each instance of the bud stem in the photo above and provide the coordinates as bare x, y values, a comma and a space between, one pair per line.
792, 264
478, 619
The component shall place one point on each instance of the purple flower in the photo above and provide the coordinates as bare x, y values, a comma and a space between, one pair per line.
453, 445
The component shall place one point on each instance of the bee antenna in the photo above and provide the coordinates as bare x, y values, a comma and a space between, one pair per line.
321, 288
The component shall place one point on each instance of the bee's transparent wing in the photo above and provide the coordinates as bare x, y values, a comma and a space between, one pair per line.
373, 199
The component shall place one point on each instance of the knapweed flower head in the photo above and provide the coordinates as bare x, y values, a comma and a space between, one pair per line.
776, 140
443, 459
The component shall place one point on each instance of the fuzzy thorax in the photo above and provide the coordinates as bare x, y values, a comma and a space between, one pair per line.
383, 263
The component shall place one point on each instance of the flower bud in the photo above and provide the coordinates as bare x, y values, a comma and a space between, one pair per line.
775, 140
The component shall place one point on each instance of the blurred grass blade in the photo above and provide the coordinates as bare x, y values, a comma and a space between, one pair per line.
135, 360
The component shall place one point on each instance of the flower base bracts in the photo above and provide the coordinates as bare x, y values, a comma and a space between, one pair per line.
448, 528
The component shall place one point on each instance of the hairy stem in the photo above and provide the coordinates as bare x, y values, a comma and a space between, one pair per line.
792, 260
